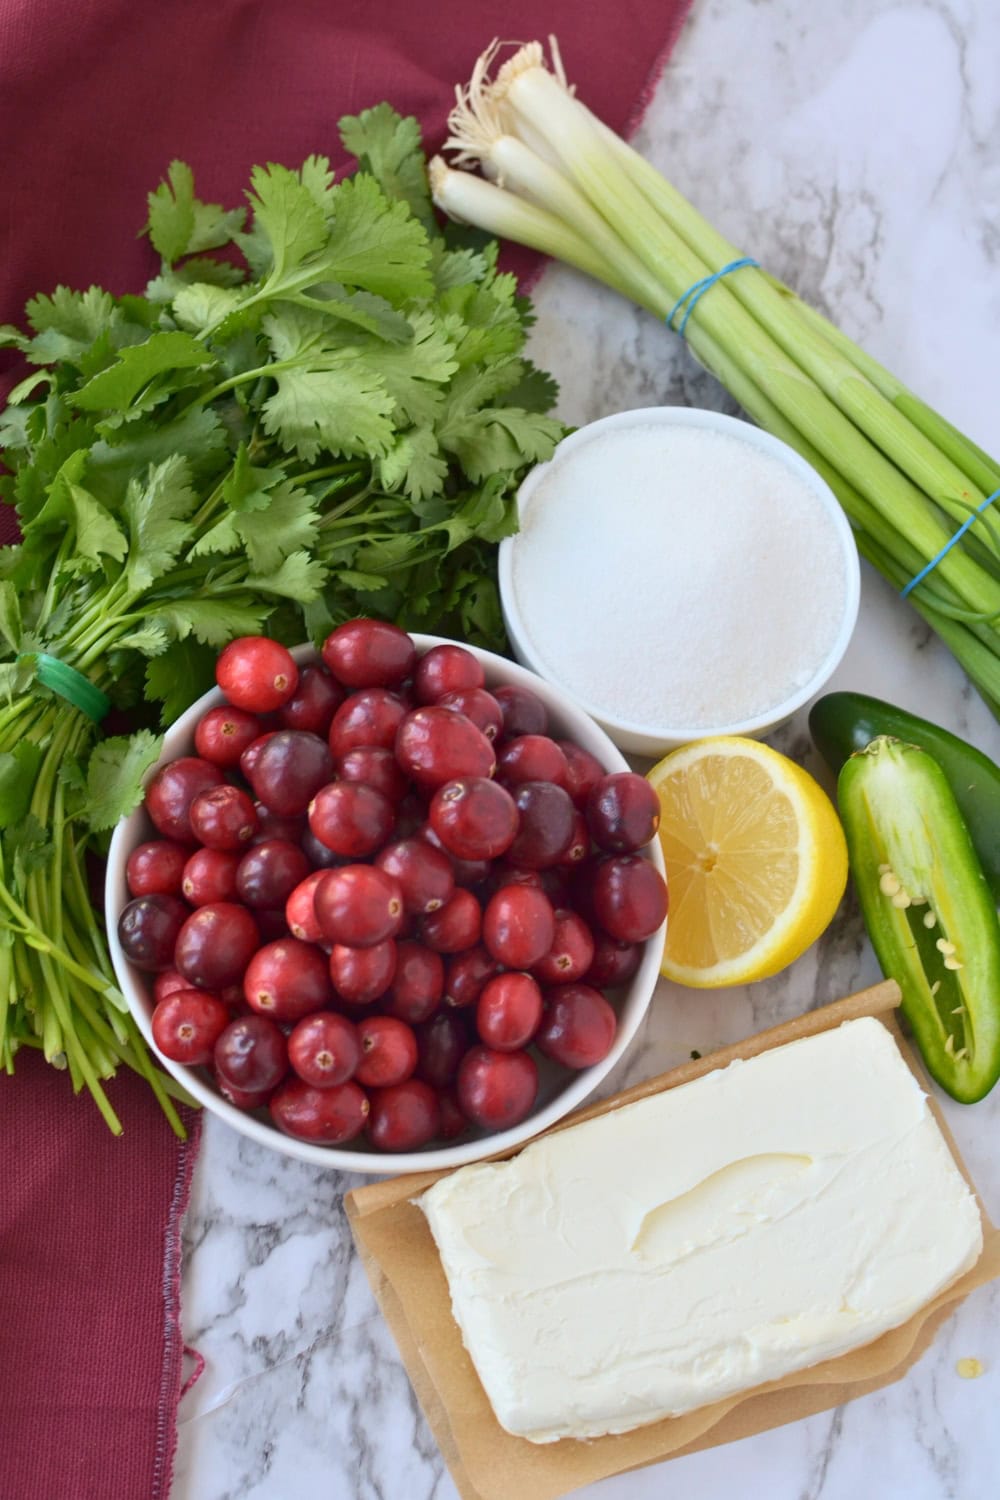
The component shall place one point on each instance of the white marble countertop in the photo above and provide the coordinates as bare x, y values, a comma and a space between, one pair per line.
853, 148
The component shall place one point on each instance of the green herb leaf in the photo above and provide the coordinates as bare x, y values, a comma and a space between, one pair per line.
175, 679
18, 769
28, 846
377, 244
300, 577
117, 387
389, 147
180, 224
156, 513
97, 533
115, 775
212, 621
288, 215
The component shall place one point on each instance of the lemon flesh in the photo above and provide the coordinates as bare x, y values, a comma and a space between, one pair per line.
756, 861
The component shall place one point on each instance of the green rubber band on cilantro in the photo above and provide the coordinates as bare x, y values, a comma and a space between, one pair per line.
72, 685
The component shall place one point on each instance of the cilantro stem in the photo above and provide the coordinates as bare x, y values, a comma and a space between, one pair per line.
244, 377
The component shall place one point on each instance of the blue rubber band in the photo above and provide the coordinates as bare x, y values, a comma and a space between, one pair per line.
698, 290
919, 578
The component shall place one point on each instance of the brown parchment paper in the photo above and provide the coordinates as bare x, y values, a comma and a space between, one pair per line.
487, 1463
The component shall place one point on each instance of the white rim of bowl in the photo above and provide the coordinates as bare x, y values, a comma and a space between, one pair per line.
691, 416
343, 1158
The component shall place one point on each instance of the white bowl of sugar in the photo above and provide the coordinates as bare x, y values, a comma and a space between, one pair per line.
681, 574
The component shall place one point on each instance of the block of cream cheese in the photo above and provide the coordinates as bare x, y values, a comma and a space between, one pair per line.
704, 1240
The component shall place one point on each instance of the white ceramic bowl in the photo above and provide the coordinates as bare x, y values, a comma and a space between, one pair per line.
559, 1091
654, 739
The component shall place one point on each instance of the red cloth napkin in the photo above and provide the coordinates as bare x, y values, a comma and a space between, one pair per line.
96, 98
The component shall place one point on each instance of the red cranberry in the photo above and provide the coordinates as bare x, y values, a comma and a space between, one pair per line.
358, 905
474, 818
148, 931
361, 975
523, 711
455, 926
210, 876
369, 653
388, 1051
623, 812
251, 755
435, 745
466, 974
300, 909
453, 1122
583, 771
167, 982
287, 980
329, 1115
578, 1026
256, 674
446, 669
424, 874
518, 926
571, 954
223, 817
614, 963
478, 705
187, 1025
269, 873
496, 1090
376, 767
547, 825
222, 735
245, 1099
290, 768
324, 1049
508, 1011
630, 897
417, 985
270, 825
351, 818
156, 868
404, 1116
215, 945
442, 1042
252, 1054
171, 792
314, 702
578, 848
531, 757
366, 720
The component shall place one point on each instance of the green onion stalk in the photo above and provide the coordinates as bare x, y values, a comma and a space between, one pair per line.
555, 178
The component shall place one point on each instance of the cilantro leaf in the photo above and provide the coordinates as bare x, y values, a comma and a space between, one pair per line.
201, 304
390, 149
117, 387
285, 210
286, 525
97, 532
300, 577
10, 615
80, 317
197, 435
29, 847
415, 464
498, 438
376, 244
18, 770
115, 775
175, 679
157, 513
180, 224
415, 373
214, 622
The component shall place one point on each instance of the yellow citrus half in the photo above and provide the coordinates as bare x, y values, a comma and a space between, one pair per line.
756, 861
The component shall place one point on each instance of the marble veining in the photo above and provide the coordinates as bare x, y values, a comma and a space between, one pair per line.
853, 150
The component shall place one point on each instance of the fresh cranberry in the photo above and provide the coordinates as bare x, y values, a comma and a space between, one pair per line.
467, 872
290, 768
148, 930
523, 711
424, 873
614, 963
215, 945
257, 674
156, 868
272, 924
318, 855
446, 669
361, 975
314, 702
578, 1026
571, 954
496, 1089
269, 873
630, 897
404, 1116
388, 1050
583, 771
287, 980
417, 985
358, 905
167, 982
223, 817
324, 1049
376, 766
453, 1122
466, 974
508, 1012
519, 926
578, 848
455, 926
474, 818
531, 757
366, 720
222, 735
252, 753
330, 1115
209, 876
271, 825
369, 653
245, 1099
479, 706
442, 1042
435, 745
351, 818
547, 824
300, 909
623, 812
171, 792
187, 1025
252, 1054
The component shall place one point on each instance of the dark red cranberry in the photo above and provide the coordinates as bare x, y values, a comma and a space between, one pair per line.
171, 792
531, 757
571, 953
479, 706
223, 817
376, 766
474, 818
358, 905
630, 897
314, 702
366, 720
388, 1049
547, 824
523, 711
453, 1122
446, 669
300, 909
435, 745
424, 873
324, 1049
289, 770
156, 868
403, 1117
417, 985
466, 974
222, 735
351, 818
369, 653
269, 872
442, 1042
496, 1090
252, 1054
215, 945
623, 812
613, 964
361, 975
518, 926
210, 876
583, 771
331, 1116
256, 674
270, 825
455, 926
287, 980
578, 1026
148, 930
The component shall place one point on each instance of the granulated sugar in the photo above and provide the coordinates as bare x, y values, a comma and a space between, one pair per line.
677, 576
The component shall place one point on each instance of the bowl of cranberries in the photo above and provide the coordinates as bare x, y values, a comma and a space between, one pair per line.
390, 905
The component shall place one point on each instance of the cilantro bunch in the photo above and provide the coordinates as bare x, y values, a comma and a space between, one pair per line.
318, 408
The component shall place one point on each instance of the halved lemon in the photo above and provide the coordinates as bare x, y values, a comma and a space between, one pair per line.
756, 861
